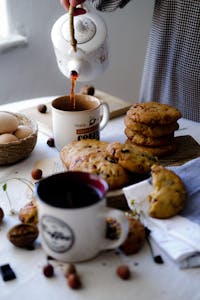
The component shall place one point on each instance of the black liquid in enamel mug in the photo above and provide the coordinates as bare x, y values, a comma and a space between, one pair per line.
72, 216
71, 189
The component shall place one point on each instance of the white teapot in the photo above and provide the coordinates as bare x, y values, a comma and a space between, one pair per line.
91, 56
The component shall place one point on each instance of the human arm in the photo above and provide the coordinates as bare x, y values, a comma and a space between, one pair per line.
108, 5
102, 5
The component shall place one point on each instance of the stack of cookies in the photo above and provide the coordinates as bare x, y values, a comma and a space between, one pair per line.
150, 127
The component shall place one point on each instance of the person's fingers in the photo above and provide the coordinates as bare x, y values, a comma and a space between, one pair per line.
77, 11
76, 2
65, 4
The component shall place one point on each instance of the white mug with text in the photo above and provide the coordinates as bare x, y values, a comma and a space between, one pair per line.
84, 122
72, 216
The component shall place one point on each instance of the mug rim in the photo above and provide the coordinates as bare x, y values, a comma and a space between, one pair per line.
76, 177
77, 95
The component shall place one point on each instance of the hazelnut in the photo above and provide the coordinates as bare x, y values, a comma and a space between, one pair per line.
1, 215
48, 270
87, 90
50, 142
36, 174
73, 281
71, 269
42, 108
123, 272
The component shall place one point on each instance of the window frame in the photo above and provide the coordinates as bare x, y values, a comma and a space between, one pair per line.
8, 41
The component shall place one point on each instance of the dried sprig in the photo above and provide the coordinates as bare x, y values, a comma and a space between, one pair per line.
4, 183
134, 210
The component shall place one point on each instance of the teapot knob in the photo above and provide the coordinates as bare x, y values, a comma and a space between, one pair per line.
84, 29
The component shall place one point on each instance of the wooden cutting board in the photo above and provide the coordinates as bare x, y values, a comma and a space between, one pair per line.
187, 149
117, 108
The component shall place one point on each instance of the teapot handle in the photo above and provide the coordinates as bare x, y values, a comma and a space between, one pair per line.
71, 28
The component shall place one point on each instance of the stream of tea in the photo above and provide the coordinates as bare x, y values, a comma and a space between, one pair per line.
74, 77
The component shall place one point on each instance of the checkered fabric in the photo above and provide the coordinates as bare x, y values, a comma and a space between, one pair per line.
108, 5
172, 64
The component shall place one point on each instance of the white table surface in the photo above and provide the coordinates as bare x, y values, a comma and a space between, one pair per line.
149, 280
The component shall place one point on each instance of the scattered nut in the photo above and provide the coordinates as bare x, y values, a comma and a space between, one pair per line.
23, 235
71, 269
123, 272
1, 215
42, 108
50, 142
36, 174
73, 281
48, 270
87, 90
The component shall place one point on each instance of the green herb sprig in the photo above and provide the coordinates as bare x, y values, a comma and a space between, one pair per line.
4, 183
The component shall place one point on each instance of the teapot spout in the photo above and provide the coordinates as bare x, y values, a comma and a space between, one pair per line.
73, 65
82, 67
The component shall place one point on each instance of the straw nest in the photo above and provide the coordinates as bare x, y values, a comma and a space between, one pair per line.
13, 152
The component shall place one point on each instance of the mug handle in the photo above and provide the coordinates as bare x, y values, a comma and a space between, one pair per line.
120, 217
105, 115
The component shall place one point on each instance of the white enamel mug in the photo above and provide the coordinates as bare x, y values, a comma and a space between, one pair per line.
85, 122
72, 216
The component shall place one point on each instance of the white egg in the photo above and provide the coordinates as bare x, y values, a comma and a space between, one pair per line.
23, 131
8, 123
6, 138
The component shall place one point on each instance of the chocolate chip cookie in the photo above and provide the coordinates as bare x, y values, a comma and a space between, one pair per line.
169, 193
78, 149
136, 237
158, 152
143, 140
130, 158
98, 163
152, 113
151, 131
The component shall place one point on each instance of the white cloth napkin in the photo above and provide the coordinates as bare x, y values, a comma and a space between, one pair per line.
178, 236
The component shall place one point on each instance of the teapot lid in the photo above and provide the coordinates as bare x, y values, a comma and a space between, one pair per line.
92, 32
84, 29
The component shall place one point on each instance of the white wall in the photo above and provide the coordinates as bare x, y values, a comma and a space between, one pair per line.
32, 71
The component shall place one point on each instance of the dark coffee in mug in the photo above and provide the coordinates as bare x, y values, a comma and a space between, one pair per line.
71, 190
81, 104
